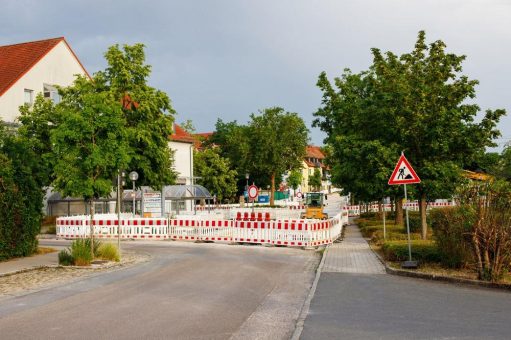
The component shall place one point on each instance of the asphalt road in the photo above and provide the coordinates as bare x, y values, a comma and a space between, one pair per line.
188, 291
364, 306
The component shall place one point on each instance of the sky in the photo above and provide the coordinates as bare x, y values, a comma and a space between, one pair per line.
226, 59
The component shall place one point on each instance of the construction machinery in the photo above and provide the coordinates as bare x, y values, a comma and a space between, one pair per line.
314, 204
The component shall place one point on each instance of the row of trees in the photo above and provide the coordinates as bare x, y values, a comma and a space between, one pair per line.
103, 124
271, 144
417, 102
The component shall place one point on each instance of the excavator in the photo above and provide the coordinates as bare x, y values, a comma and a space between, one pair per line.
314, 204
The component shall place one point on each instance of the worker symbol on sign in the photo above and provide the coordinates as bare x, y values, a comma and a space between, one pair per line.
403, 173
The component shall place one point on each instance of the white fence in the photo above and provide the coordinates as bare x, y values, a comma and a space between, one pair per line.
354, 210
286, 232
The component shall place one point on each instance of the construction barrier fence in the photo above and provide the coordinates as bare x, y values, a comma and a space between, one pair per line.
260, 230
355, 210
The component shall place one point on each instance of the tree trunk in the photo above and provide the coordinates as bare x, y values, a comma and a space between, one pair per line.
399, 211
422, 209
92, 227
272, 193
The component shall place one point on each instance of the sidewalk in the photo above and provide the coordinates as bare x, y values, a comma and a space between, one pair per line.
352, 255
25, 263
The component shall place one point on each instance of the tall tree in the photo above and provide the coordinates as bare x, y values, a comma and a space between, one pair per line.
295, 179
89, 143
416, 102
148, 114
215, 173
277, 142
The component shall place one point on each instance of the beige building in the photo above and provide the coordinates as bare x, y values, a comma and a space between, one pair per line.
30, 68
314, 159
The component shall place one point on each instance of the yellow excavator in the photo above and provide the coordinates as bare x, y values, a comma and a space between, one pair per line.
314, 204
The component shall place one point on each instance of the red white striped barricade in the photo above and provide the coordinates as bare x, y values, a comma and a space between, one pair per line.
217, 230
293, 233
336, 227
353, 210
146, 228
320, 232
187, 230
252, 231
71, 227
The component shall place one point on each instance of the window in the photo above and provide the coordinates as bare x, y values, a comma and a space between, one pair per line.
51, 92
29, 96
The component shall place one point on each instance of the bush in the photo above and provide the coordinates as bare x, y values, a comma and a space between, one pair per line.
452, 230
80, 251
368, 215
369, 230
422, 251
109, 251
414, 219
391, 235
65, 258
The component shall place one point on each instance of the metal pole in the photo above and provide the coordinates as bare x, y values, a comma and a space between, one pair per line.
119, 211
408, 227
134, 197
384, 229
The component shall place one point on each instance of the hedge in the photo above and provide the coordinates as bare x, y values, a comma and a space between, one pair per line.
422, 251
21, 199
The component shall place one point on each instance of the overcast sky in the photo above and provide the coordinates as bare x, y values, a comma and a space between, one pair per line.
227, 59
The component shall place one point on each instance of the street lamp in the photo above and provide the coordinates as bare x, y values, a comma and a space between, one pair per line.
133, 178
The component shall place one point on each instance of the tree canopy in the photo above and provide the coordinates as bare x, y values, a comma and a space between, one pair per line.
214, 173
417, 103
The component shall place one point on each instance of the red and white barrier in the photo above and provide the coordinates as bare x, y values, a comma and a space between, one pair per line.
355, 210
255, 229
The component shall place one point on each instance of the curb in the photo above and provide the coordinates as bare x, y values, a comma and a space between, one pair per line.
306, 304
448, 279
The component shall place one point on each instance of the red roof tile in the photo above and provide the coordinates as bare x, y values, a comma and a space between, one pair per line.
180, 135
314, 152
18, 59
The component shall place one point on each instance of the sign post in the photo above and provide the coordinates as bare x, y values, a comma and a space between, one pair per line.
253, 191
404, 174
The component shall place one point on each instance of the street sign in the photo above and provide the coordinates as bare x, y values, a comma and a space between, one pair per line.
299, 194
252, 191
152, 204
403, 173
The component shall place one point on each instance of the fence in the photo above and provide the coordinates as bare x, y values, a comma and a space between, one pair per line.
260, 230
354, 210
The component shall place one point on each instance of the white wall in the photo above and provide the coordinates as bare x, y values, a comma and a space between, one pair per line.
58, 67
183, 161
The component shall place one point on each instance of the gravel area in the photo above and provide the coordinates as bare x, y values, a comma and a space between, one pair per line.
45, 277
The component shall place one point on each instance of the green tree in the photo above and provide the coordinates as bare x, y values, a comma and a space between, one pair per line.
416, 102
277, 143
295, 178
20, 196
147, 111
89, 142
315, 180
188, 126
215, 173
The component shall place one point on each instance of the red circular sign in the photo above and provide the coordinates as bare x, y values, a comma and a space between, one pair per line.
252, 191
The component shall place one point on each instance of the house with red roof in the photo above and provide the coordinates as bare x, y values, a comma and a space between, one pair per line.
314, 159
30, 68
183, 145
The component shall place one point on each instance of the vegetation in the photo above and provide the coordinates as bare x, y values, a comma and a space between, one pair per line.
416, 102
214, 173
424, 251
315, 180
295, 179
109, 251
20, 196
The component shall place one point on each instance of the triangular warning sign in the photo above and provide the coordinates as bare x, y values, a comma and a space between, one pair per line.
403, 173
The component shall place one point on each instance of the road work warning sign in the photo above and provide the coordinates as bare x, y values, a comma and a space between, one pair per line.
403, 173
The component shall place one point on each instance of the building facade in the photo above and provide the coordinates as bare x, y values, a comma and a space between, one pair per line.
30, 68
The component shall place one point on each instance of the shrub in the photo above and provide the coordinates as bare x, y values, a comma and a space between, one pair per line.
368, 231
80, 251
65, 258
97, 244
109, 251
452, 230
422, 251
368, 215
391, 235
414, 219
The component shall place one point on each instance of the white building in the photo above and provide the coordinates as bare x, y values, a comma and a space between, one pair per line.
30, 68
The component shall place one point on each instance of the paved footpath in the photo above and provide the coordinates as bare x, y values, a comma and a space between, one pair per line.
354, 299
352, 255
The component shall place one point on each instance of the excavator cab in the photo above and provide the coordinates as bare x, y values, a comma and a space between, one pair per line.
314, 203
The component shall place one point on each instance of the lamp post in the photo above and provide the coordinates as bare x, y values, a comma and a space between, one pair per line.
133, 178
120, 184
247, 176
